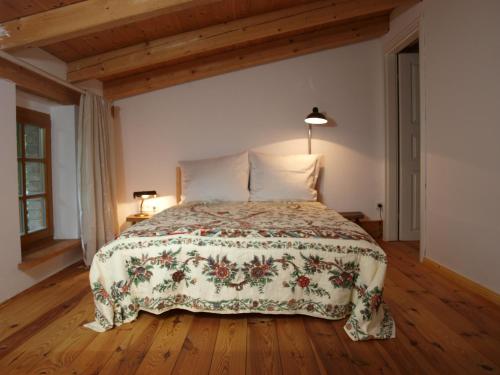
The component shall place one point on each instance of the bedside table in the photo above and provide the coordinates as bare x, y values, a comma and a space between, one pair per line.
137, 218
354, 216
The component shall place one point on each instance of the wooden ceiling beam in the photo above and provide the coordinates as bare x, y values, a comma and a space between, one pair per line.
37, 84
223, 37
83, 18
246, 57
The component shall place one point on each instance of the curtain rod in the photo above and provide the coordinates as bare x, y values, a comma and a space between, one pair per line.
39, 71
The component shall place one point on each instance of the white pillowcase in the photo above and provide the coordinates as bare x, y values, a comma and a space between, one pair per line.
224, 178
289, 177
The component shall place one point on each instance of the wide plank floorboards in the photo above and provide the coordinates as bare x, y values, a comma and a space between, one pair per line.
441, 329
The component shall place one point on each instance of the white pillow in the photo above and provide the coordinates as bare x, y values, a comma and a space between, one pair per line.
289, 177
224, 178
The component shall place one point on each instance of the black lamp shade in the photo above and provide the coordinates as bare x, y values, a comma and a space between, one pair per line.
316, 118
145, 194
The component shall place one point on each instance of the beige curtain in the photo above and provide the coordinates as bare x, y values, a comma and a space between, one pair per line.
98, 223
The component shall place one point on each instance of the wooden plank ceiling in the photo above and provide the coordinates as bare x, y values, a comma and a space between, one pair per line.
159, 43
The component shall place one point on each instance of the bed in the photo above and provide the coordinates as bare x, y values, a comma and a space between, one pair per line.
249, 237
244, 257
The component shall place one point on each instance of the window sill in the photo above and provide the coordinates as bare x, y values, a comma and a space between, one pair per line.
47, 252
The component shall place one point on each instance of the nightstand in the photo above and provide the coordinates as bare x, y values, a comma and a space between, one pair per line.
354, 216
137, 218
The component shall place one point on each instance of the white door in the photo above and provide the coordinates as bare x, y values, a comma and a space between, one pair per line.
409, 147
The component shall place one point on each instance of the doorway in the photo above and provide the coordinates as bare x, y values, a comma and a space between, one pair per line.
404, 211
409, 143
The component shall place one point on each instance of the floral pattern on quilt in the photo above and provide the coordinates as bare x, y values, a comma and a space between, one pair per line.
261, 257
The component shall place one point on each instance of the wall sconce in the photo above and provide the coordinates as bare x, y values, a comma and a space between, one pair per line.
144, 195
314, 118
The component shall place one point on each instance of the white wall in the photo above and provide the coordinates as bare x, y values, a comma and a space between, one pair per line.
461, 62
43, 60
93, 85
12, 280
401, 28
264, 107
35, 103
64, 191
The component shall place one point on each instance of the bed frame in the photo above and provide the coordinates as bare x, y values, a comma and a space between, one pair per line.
178, 184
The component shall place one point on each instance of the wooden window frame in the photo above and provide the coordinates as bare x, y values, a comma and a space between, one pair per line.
42, 120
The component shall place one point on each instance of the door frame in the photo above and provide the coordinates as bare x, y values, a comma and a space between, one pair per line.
407, 36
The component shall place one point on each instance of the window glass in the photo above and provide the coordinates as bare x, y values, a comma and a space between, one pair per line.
34, 142
19, 141
21, 217
36, 214
35, 178
20, 178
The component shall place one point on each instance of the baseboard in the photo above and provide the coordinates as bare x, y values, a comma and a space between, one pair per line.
463, 281
373, 227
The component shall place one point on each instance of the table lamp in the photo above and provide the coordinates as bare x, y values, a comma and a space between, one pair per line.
143, 195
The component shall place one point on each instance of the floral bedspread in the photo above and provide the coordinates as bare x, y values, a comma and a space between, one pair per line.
251, 257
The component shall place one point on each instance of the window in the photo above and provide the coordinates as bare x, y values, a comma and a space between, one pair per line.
34, 177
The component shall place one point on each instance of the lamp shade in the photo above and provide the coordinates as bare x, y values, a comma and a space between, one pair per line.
145, 194
316, 118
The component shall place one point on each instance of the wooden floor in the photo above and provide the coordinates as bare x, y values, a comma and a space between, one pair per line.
441, 329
